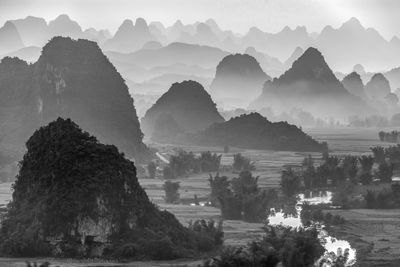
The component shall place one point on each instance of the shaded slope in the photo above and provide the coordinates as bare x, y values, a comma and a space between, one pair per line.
188, 104
253, 131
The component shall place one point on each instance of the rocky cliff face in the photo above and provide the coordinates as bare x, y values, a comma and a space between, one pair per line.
77, 197
74, 79
18, 106
189, 106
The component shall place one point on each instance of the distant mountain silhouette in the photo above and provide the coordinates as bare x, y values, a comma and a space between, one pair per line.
359, 69
352, 43
253, 131
205, 36
354, 85
73, 79
130, 37
29, 53
238, 79
173, 53
64, 26
269, 64
378, 87
293, 57
394, 77
310, 85
10, 38
152, 45
97, 36
189, 106
33, 30
283, 43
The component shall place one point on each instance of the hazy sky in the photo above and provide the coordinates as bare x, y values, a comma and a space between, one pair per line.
237, 15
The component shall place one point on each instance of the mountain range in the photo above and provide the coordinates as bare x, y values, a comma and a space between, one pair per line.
311, 85
343, 47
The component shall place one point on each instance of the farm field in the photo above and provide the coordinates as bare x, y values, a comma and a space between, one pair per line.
374, 233
364, 229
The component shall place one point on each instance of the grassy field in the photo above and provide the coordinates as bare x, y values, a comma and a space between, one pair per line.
374, 233
363, 226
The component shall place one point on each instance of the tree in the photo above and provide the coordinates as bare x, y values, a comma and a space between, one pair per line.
219, 189
350, 168
290, 182
167, 173
385, 172
381, 136
226, 149
379, 154
366, 163
171, 191
151, 168
209, 162
241, 163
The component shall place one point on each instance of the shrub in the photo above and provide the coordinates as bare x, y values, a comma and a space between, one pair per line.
385, 172
240, 198
241, 163
365, 178
167, 173
171, 191
208, 233
151, 168
226, 149
209, 162
219, 189
379, 154
350, 168
366, 163
290, 182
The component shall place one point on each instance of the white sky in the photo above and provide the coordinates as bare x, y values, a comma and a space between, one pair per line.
236, 15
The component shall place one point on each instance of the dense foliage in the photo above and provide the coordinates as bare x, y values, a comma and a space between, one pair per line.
171, 191
240, 198
69, 186
255, 132
391, 137
387, 198
241, 163
151, 169
186, 162
290, 247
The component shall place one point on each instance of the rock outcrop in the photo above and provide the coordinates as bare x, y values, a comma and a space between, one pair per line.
72, 79
77, 197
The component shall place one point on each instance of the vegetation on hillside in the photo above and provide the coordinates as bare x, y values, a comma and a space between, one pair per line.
255, 132
77, 197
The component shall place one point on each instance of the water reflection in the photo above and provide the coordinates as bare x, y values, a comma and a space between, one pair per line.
334, 247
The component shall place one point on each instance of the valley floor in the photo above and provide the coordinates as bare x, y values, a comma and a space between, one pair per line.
374, 233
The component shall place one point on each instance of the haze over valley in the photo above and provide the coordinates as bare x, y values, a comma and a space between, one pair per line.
191, 135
